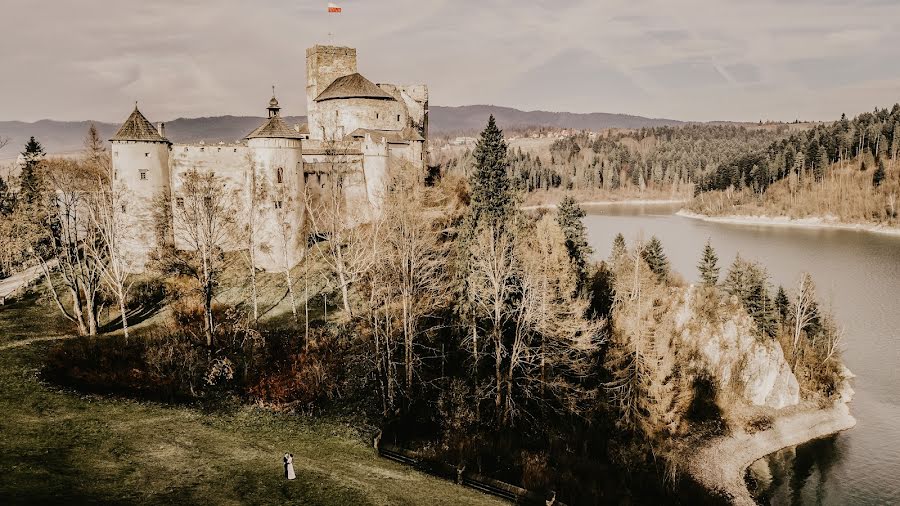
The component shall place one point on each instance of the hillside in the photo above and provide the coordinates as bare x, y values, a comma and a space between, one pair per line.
67, 136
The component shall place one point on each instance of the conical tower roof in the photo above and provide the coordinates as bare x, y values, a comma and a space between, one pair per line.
274, 127
138, 128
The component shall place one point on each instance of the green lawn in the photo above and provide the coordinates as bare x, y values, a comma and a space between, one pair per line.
59, 445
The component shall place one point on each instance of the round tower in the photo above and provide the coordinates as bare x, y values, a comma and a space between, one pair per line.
140, 161
275, 180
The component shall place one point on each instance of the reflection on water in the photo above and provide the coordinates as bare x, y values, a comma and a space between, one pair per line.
858, 275
797, 475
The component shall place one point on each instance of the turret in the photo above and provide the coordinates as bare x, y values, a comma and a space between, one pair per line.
140, 161
276, 184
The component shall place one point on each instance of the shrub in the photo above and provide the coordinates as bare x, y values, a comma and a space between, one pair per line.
304, 378
147, 292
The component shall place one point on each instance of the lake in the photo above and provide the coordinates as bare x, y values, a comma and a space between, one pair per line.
857, 274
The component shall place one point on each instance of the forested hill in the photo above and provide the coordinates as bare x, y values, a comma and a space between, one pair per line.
471, 118
68, 136
870, 138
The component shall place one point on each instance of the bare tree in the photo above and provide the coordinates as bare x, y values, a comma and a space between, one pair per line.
109, 251
204, 222
104, 206
492, 281
345, 241
804, 307
69, 237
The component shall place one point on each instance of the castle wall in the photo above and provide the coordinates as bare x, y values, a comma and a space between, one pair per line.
340, 117
228, 162
141, 174
415, 99
324, 64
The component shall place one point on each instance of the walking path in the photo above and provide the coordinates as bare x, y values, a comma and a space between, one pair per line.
9, 286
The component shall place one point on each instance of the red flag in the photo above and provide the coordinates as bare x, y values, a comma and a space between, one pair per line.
333, 8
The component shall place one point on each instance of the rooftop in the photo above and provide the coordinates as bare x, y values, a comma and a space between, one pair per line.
138, 128
353, 86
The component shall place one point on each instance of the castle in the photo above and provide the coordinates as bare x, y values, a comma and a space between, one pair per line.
377, 129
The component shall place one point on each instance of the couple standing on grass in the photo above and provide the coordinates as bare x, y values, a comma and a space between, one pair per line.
289, 466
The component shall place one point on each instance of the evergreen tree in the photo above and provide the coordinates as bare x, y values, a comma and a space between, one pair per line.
652, 253
709, 268
568, 216
30, 177
492, 195
821, 163
749, 282
6, 198
878, 175
782, 304
618, 248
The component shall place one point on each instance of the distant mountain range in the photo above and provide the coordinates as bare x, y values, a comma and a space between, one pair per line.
68, 136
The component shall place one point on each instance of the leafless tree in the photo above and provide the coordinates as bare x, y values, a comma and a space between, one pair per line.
804, 307
70, 234
345, 243
204, 223
492, 281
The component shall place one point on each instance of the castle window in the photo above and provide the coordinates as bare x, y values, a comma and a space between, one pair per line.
398, 117
235, 150
143, 175
202, 149
123, 208
279, 175
116, 174
376, 115
146, 155
278, 204
336, 114
185, 150
218, 149
179, 201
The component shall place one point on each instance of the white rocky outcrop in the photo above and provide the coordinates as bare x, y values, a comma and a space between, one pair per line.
741, 362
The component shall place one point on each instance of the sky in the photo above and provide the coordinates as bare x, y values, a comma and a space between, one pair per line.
697, 60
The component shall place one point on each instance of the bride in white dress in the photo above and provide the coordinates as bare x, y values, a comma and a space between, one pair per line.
289, 466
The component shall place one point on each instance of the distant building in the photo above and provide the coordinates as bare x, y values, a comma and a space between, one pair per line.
376, 128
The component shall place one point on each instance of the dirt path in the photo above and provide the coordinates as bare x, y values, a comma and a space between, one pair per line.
10, 285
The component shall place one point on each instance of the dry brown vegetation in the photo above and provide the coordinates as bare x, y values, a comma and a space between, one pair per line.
846, 195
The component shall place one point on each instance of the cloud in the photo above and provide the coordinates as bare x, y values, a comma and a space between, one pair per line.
692, 59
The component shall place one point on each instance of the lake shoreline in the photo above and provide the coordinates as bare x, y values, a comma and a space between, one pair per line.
784, 221
627, 202
720, 467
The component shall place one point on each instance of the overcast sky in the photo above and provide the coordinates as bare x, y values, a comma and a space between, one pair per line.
681, 59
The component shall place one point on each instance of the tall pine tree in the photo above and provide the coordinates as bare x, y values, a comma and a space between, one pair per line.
30, 177
492, 195
709, 268
652, 253
568, 216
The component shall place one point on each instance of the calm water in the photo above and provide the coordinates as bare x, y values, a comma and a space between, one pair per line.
858, 275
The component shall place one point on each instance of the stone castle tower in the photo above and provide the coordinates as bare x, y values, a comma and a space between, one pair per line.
378, 128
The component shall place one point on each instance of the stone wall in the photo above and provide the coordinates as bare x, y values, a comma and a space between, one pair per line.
415, 99
342, 116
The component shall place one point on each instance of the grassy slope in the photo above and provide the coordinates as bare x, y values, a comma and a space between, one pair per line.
61, 445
